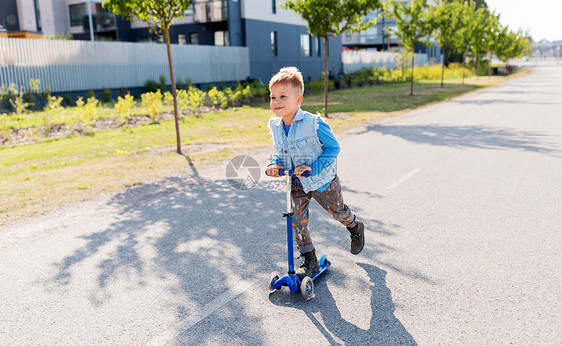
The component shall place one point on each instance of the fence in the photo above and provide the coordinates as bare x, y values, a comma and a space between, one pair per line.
356, 60
83, 65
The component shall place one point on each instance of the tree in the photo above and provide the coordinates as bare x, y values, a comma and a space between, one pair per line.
327, 18
482, 25
448, 26
509, 44
159, 15
413, 24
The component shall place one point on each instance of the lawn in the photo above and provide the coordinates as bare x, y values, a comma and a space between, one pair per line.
36, 178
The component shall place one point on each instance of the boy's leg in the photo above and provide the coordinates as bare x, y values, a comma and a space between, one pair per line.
300, 201
332, 200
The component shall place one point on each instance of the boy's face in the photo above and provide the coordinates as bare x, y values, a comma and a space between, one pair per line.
285, 101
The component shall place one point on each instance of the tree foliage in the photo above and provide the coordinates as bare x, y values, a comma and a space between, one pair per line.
448, 27
327, 18
413, 25
159, 15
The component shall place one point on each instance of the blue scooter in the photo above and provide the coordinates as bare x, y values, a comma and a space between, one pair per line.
291, 280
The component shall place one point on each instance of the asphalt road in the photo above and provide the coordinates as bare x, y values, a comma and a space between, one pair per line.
463, 207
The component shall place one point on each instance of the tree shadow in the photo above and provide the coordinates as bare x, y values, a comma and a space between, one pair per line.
384, 327
481, 137
500, 101
195, 238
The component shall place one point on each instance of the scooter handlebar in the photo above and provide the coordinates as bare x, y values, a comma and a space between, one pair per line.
291, 172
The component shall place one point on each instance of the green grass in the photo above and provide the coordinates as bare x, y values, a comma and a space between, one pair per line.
39, 177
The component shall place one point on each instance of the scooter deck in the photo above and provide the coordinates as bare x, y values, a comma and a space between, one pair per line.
292, 280
323, 267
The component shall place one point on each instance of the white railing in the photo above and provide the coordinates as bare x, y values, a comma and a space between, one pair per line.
83, 65
354, 61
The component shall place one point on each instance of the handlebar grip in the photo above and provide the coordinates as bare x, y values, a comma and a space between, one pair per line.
291, 172
305, 174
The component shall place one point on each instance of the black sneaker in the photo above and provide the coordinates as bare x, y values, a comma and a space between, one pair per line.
357, 235
309, 266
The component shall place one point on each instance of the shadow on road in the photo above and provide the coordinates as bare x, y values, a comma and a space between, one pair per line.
384, 327
197, 239
481, 137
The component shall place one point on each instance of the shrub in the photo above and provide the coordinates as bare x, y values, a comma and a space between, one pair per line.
168, 98
151, 86
183, 99
52, 112
217, 98
4, 122
87, 112
19, 105
152, 101
123, 107
316, 86
106, 95
68, 100
162, 85
89, 94
196, 99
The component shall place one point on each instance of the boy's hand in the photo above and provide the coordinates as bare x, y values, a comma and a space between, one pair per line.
301, 169
273, 170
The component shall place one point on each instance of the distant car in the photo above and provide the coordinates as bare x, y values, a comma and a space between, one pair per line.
526, 58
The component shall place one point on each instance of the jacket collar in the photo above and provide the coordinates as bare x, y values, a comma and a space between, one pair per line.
298, 116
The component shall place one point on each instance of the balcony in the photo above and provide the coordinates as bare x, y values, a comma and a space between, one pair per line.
210, 11
103, 22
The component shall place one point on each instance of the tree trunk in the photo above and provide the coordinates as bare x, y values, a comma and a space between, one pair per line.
167, 39
463, 67
477, 66
489, 65
412, 81
444, 51
326, 76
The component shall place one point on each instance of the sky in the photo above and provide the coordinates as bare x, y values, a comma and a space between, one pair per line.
543, 18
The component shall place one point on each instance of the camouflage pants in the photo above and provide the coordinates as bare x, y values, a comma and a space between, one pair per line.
330, 199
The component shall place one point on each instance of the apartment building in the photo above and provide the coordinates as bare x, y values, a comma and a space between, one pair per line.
377, 37
275, 37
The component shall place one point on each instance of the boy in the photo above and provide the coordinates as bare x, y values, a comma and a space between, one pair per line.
304, 142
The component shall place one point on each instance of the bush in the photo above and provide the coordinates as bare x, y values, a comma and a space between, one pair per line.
123, 107
106, 95
87, 112
150, 86
89, 94
162, 85
196, 99
152, 101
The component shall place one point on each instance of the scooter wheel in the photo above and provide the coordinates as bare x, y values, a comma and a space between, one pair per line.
322, 260
307, 288
273, 277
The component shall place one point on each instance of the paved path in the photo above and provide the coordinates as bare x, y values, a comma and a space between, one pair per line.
463, 206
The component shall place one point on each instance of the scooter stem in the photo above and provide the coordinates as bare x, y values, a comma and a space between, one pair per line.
289, 216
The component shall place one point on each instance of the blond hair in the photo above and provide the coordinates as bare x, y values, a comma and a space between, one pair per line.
291, 76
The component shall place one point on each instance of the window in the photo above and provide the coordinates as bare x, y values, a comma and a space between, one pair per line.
318, 46
221, 38
37, 15
189, 11
194, 38
274, 43
305, 45
181, 39
273, 6
77, 13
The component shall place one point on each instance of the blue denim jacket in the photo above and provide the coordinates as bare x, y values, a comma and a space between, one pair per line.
301, 147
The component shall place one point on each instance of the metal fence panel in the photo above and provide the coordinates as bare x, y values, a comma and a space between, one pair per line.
82, 65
